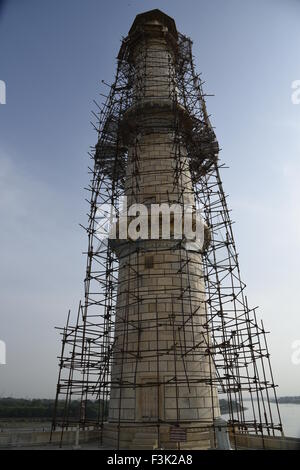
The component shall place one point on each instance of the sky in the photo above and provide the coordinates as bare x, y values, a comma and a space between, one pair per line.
53, 56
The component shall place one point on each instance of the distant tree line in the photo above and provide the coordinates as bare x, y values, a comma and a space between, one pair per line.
44, 408
289, 400
225, 408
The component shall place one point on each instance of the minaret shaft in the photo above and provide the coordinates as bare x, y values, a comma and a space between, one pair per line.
161, 373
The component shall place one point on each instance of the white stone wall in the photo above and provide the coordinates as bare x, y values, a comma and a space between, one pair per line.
160, 357
154, 77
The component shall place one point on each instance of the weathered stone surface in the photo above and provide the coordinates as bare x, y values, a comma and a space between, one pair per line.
158, 365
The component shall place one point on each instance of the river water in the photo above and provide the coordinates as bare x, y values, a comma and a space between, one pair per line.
290, 417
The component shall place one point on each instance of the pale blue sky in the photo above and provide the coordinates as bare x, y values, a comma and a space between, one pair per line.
53, 55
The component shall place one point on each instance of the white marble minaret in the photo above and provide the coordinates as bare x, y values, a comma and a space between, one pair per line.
161, 373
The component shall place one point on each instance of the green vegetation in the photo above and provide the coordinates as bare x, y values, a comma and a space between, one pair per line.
224, 406
43, 408
294, 400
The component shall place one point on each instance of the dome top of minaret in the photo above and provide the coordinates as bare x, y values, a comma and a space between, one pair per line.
154, 15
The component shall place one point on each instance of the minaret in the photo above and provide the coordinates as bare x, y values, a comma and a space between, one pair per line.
164, 330
162, 376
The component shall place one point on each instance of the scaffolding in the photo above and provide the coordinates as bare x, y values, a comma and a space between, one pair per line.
220, 330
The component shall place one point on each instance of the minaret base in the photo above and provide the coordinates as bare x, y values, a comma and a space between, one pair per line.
138, 437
